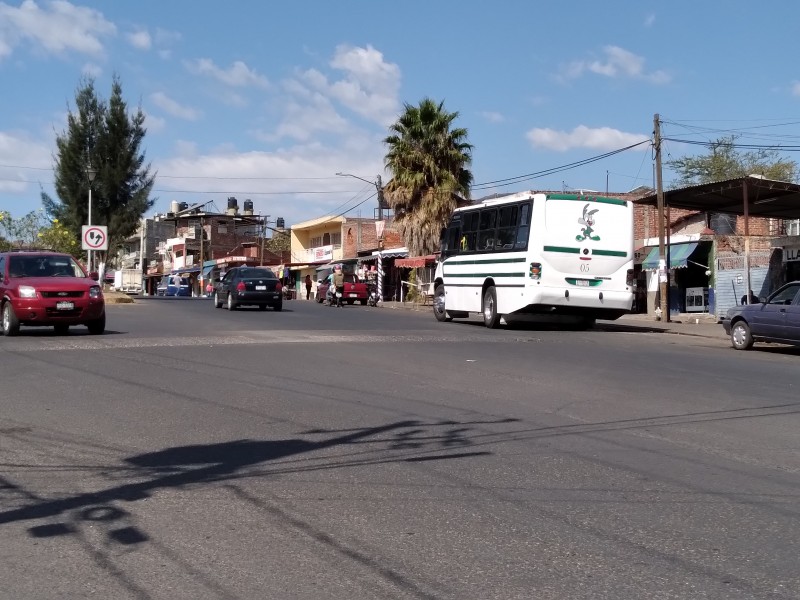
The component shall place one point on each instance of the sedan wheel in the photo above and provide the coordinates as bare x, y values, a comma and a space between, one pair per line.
217, 301
741, 338
231, 303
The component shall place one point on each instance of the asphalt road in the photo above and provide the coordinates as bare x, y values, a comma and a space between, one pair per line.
363, 453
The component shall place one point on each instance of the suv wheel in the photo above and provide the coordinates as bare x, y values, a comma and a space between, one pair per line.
10, 321
98, 326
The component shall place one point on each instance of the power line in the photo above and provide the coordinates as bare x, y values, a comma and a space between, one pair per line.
553, 170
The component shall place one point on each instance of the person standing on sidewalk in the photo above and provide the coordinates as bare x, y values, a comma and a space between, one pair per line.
308, 287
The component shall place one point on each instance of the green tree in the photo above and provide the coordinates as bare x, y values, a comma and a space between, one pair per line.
101, 134
35, 230
429, 161
725, 161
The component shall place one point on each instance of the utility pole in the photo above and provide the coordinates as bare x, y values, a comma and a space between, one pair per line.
142, 227
264, 226
379, 187
203, 283
663, 286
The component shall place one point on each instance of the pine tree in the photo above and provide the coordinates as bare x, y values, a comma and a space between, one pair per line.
104, 136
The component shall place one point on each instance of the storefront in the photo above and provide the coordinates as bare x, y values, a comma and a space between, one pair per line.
689, 289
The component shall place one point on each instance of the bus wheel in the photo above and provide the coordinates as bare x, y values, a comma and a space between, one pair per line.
491, 318
439, 310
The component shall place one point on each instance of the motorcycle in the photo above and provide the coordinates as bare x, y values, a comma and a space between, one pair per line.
372, 299
334, 297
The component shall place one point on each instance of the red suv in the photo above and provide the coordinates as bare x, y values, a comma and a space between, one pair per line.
47, 288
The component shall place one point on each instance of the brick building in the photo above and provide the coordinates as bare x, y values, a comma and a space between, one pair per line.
717, 250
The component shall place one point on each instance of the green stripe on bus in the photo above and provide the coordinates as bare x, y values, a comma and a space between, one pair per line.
600, 199
451, 274
485, 261
478, 285
566, 249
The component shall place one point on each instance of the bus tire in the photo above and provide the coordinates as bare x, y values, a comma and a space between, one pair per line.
491, 318
439, 310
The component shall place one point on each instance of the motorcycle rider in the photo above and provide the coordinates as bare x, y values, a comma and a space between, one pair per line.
371, 277
337, 282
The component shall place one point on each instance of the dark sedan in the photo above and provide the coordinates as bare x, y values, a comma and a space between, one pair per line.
777, 319
249, 286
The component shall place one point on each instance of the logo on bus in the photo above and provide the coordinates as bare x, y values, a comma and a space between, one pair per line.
587, 220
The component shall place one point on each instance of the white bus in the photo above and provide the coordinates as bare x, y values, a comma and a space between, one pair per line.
532, 254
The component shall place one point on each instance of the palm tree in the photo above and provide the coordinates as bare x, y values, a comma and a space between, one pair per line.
428, 161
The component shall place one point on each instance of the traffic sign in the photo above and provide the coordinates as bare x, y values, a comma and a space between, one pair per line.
95, 237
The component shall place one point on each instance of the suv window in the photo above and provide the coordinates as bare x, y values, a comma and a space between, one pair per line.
43, 266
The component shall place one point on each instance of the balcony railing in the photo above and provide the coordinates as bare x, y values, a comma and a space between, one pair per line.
310, 255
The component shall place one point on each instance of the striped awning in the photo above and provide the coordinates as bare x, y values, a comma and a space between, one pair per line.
678, 255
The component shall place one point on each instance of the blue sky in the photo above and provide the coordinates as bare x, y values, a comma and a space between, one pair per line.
268, 101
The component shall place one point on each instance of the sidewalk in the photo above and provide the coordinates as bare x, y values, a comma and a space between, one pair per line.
700, 324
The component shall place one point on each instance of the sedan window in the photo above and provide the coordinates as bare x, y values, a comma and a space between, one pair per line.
785, 296
256, 274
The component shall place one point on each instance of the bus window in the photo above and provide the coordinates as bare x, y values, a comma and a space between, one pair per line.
469, 232
451, 243
507, 227
524, 227
487, 234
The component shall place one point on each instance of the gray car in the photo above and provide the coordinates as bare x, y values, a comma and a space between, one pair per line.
776, 319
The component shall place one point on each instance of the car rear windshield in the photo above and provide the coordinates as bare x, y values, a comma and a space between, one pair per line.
43, 266
256, 274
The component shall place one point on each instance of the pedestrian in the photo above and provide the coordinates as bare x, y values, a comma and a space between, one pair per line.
308, 287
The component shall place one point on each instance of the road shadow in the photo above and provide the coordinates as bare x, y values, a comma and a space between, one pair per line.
202, 464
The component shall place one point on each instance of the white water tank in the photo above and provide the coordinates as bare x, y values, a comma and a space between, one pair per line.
174, 206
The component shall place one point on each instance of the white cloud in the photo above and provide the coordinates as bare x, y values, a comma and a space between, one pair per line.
294, 183
796, 88
59, 28
237, 75
35, 155
140, 39
154, 124
92, 69
601, 138
172, 107
371, 86
618, 63
649, 20
303, 120
493, 117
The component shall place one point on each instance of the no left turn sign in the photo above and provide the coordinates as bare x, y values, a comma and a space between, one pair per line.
95, 237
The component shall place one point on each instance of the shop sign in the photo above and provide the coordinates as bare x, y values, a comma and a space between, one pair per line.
791, 254
323, 253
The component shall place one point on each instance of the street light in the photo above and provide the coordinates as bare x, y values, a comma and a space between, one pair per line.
91, 174
378, 186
